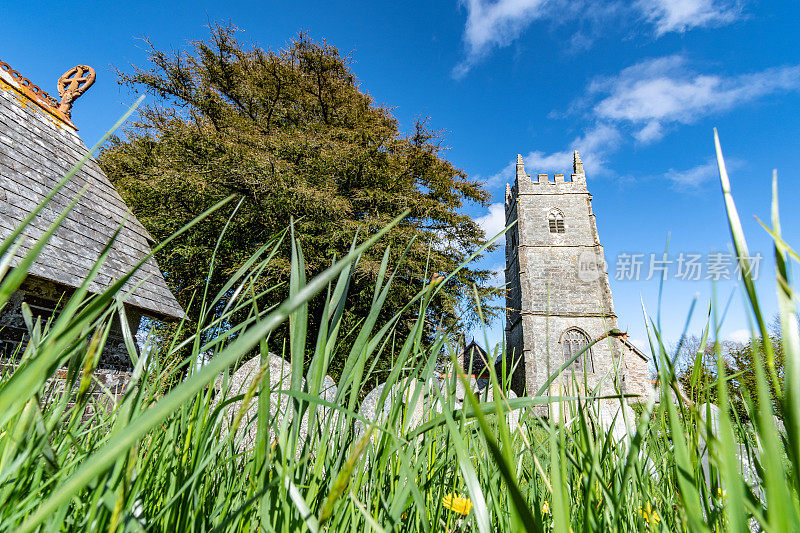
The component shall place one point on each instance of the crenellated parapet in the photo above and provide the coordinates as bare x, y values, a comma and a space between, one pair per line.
524, 184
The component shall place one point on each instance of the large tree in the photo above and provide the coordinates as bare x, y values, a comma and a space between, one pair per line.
292, 134
740, 361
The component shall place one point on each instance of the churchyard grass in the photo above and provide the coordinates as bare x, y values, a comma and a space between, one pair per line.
165, 461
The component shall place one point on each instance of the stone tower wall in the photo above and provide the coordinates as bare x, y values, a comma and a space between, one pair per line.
557, 281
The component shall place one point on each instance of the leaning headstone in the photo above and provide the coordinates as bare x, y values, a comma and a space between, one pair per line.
327, 417
779, 425
486, 395
710, 414
280, 375
369, 405
328, 389
369, 408
421, 400
454, 392
412, 394
450, 388
616, 418
513, 416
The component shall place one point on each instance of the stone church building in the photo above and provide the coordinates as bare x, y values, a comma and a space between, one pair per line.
558, 296
39, 144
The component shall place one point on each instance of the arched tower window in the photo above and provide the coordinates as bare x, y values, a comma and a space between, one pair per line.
555, 220
573, 341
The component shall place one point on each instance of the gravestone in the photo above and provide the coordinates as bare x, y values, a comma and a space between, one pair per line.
617, 418
412, 393
423, 400
710, 414
280, 375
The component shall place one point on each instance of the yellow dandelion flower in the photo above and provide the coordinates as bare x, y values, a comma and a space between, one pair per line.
649, 514
457, 504
721, 494
546, 507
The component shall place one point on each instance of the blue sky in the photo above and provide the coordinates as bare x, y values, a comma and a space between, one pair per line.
635, 86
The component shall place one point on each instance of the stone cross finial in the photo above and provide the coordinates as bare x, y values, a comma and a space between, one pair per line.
577, 164
520, 166
72, 84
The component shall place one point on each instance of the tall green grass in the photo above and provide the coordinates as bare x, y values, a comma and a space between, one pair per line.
167, 462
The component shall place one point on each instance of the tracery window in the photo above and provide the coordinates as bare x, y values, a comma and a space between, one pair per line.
555, 221
573, 341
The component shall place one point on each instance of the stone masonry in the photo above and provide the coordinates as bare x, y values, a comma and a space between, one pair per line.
45, 299
558, 294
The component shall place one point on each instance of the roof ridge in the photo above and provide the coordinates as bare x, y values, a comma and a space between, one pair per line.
33, 92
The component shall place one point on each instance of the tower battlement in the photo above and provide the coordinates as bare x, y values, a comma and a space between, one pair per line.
524, 184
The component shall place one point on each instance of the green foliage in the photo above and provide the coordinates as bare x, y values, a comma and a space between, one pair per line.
293, 135
700, 381
742, 361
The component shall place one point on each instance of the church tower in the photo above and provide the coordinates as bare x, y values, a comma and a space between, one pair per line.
558, 295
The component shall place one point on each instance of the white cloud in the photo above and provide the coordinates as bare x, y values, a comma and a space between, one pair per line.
682, 15
656, 93
494, 24
600, 139
494, 221
642, 344
539, 161
653, 131
535, 162
645, 100
593, 146
741, 336
693, 177
498, 277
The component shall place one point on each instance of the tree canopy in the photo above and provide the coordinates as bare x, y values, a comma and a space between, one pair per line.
292, 134
740, 361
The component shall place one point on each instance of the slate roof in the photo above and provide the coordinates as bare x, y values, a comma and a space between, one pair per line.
477, 356
37, 148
